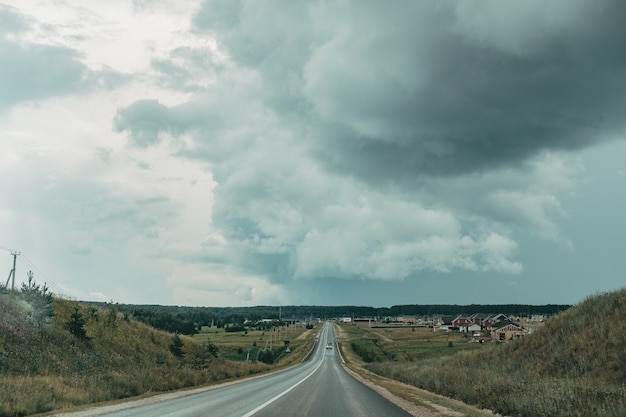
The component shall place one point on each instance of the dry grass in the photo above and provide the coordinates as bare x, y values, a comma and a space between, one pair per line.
417, 401
241, 346
573, 366
44, 368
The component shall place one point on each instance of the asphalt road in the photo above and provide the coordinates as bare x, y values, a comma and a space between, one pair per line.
318, 387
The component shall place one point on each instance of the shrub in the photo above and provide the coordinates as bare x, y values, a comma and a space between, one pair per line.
266, 356
176, 346
76, 324
368, 351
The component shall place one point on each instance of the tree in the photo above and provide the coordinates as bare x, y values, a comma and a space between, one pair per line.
176, 346
76, 324
266, 356
39, 298
211, 348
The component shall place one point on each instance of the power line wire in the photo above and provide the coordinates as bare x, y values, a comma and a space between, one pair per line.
57, 289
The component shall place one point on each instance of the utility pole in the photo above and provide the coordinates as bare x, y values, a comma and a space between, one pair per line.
12, 273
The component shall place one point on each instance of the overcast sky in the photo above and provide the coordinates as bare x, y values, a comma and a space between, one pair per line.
233, 153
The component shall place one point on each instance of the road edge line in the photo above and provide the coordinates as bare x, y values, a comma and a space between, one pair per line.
271, 400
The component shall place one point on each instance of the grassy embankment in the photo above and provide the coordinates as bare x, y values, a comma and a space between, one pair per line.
404, 346
44, 366
572, 366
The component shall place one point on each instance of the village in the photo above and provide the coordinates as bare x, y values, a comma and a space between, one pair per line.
482, 327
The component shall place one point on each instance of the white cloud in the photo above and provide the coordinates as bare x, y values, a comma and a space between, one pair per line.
218, 285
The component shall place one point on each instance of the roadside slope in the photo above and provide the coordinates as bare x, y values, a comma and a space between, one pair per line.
573, 366
72, 355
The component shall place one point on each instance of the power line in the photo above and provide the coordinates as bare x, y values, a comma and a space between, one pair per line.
12, 273
49, 283
57, 289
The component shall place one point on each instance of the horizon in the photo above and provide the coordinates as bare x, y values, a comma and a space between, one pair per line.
328, 306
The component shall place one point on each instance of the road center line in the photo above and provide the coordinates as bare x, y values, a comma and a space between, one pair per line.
268, 402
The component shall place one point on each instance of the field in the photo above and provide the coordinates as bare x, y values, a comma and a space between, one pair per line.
572, 366
248, 344
403, 347
405, 344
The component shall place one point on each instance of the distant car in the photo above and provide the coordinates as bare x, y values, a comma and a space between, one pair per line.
329, 346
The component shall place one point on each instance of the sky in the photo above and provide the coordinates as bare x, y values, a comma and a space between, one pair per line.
241, 153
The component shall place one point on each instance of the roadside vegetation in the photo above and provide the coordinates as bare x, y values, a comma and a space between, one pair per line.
572, 366
57, 354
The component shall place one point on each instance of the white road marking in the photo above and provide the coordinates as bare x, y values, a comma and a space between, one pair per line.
268, 402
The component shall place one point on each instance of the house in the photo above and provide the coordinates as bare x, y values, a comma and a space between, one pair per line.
493, 320
466, 324
479, 318
507, 330
443, 320
368, 320
406, 319
473, 328
443, 323
461, 322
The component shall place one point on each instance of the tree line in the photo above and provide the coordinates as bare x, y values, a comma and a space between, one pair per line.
189, 320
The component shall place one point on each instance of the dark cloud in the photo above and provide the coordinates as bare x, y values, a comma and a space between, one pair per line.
412, 89
425, 99
446, 109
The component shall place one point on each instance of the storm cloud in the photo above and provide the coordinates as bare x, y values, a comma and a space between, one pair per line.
290, 146
367, 140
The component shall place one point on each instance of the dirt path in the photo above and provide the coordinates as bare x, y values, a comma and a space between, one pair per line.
304, 335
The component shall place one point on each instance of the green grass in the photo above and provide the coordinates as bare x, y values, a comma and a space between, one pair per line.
247, 345
573, 366
405, 344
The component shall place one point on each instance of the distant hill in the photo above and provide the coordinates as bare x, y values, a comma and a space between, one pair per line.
56, 353
573, 366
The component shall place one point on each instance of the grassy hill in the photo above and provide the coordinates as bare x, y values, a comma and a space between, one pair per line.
574, 365
48, 363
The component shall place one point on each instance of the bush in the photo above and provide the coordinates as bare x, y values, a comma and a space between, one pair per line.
266, 356
176, 346
368, 351
76, 324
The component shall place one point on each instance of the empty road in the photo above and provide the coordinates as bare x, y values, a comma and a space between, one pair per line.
318, 387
